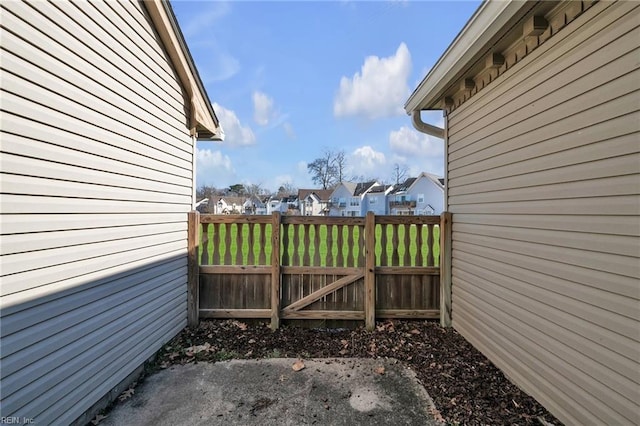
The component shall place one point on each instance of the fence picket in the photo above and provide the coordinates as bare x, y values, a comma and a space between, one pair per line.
216, 244
395, 259
239, 244
406, 258
340, 245
296, 245
262, 255
430, 258
204, 258
350, 245
306, 243
316, 245
251, 245
419, 259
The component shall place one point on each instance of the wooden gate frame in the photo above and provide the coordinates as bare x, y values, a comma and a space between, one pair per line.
368, 273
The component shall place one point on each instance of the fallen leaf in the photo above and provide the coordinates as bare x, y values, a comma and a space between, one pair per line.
98, 419
298, 365
198, 349
126, 394
414, 331
240, 325
379, 370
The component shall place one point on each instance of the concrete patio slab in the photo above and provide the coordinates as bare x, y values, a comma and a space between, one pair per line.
269, 392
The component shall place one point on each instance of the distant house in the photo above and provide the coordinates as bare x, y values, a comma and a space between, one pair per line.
542, 154
285, 204
230, 205
422, 195
101, 109
254, 205
347, 198
314, 202
290, 205
375, 200
273, 205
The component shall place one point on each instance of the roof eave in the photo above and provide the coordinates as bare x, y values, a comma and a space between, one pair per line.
474, 39
203, 122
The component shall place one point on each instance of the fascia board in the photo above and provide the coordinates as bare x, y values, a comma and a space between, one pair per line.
203, 122
490, 18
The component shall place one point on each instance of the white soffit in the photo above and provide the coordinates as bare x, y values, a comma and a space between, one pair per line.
476, 38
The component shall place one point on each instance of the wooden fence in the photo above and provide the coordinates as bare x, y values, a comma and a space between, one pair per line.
316, 268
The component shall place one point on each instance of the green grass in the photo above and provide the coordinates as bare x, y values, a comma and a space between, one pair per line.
322, 244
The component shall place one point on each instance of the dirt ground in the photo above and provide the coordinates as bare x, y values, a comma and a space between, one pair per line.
465, 387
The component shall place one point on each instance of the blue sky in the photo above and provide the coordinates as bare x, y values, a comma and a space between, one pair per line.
291, 79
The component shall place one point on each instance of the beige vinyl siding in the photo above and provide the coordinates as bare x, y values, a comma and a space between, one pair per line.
544, 187
96, 182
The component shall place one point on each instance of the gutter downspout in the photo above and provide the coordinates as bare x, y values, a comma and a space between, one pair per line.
445, 222
421, 126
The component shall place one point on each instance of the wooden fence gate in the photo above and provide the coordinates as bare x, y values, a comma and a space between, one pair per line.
317, 268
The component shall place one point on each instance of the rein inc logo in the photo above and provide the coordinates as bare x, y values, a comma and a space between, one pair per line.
17, 420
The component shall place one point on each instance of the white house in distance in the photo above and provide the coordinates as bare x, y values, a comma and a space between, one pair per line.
101, 109
375, 200
422, 195
229, 205
347, 197
314, 202
254, 205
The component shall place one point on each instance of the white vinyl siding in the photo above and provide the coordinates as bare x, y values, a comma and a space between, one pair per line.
96, 183
544, 187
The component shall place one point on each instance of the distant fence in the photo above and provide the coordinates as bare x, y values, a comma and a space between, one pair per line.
315, 268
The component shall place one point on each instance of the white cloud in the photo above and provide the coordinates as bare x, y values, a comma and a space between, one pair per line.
235, 133
420, 152
378, 90
208, 14
288, 129
410, 143
262, 108
212, 167
367, 162
218, 66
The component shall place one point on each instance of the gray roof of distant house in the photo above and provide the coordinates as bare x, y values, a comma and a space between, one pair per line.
362, 187
379, 189
404, 185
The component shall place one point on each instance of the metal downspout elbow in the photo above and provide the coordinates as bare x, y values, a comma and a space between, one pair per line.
423, 127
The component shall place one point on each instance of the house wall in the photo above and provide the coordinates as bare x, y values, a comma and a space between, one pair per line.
544, 190
433, 196
379, 207
96, 171
341, 192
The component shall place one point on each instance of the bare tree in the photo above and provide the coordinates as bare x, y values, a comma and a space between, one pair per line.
329, 169
400, 173
254, 189
340, 162
287, 189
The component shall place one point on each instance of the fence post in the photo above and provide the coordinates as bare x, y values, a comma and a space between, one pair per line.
193, 284
370, 271
445, 269
275, 270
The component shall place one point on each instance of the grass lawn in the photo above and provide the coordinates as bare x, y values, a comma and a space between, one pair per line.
319, 241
